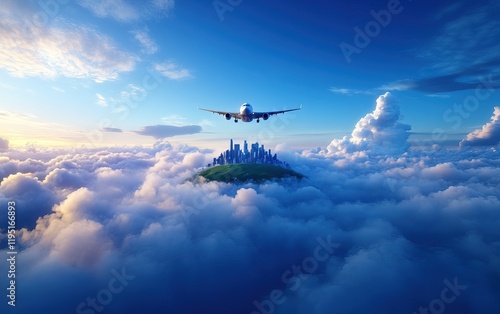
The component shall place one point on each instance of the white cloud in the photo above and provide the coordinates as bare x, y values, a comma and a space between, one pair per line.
488, 135
22, 126
174, 119
128, 11
399, 85
163, 131
33, 199
162, 4
4, 144
377, 132
469, 38
172, 71
149, 46
402, 224
81, 243
60, 49
58, 89
133, 91
119, 10
101, 100
348, 91
127, 99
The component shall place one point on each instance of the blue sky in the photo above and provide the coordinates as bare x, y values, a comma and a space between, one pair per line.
98, 72
101, 142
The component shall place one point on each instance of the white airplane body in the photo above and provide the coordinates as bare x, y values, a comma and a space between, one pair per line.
247, 114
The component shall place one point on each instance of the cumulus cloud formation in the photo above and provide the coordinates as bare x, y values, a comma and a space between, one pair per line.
162, 131
4, 144
60, 49
33, 198
390, 231
394, 231
488, 135
377, 132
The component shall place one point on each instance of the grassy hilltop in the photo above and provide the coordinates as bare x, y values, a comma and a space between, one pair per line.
247, 172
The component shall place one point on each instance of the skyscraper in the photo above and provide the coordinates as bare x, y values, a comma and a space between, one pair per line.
256, 155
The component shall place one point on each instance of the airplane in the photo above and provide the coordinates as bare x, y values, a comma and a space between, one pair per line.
247, 114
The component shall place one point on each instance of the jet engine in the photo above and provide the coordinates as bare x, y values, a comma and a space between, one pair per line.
265, 116
228, 116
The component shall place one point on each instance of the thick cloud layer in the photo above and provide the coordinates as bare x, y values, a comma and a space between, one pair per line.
4, 144
378, 132
488, 135
126, 230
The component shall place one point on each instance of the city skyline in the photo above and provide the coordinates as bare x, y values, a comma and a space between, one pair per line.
119, 72
104, 206
237, 155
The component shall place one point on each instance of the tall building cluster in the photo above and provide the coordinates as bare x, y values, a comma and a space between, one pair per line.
256, 155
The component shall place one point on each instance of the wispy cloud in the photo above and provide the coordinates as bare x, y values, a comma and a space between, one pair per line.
462, 56
61, 49
172, 71
478, 76
205, 122
443, 96
16, 116
174, 119
128, 11
101, 100
58, 89
163, 131
21, 127
449, 9
149, 46
132, 92
129, 95
116, 9
470, 38
112, 130
464, 53
349, 91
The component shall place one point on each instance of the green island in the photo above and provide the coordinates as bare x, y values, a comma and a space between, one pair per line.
247, 172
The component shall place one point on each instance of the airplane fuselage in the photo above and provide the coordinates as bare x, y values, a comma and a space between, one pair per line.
246, 112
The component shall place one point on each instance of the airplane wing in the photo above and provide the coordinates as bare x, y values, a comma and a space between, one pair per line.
235, 115
258, 115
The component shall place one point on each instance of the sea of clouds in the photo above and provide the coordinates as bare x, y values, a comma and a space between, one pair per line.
376, 227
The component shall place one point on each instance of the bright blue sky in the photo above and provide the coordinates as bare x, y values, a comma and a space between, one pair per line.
66, 68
